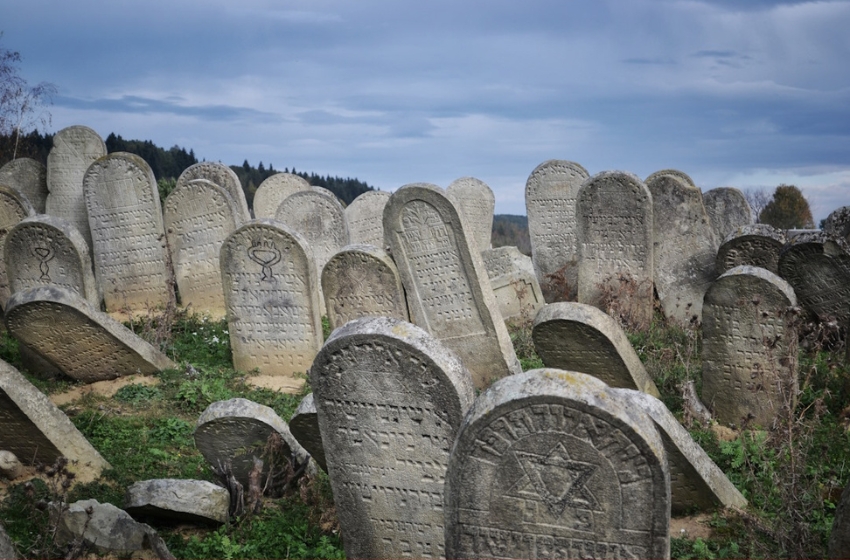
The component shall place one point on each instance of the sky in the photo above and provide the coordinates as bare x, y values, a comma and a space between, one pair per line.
742, 93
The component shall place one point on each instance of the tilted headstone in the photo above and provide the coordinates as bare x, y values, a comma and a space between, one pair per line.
837, 223
550, 201
554, 464
14, 207
681, 175
390, 399
362, 281
198, 217
222, 176
364, 216
475, 201
518, 295
128, 240
271, 292
753, 245
34, 429
685, 247
580, 337
615, 223
304, 426
82, 342
177, 500
727, 209
505, 260
749, 347
274, 190
444, 280
28, 177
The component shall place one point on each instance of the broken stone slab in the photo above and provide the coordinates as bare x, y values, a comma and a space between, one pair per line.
518, 295
7, 548
10, 466
304, 426
178, 500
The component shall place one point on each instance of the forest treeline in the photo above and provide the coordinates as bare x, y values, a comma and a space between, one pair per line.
511, 230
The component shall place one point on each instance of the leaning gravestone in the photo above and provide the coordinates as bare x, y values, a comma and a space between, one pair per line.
128, 239
36, 431
304, 426
681, 175
14, 207
364, 216
475, 201
727, 209
274, 190
222, 176
685, 247
550, 201
616, 261
579, 337
82, 342
554, 464
74, 149
837, 223
749, 355
271, 295
753, 245
362, 281
28, 177
198, 217
443, 277
390, 399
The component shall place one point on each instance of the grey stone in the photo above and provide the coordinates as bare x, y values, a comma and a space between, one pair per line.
178, 500
681, 175
274, 190
107, 529
753, 245
445, 281
222, 176
550, 200
364, 216
28, 177
82, 342
554, 464
518, 296
10, 467
506, 260
475, 201
14, 207
7, 547
304, 426
580, 337
390, 399
837, 223
839, 538
727, 210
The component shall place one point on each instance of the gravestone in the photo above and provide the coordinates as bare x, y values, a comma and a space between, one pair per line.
35, 430
304, 426
554, 464
364, 216
170, 499
681, 175
505, 260
274, 190
443, 278
74, 149
28, 177
128, 240
271, 294
684, 247
198, 217
837, 223
518, 295
82, 342
475, 201
749, 347
362, 281
222, 176
14, 207
727, 210
616, 261
390, 399
579, 337
550, 201
753, 245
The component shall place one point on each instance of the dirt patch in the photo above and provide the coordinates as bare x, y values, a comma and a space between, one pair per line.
102, 388
282, 384
691, 527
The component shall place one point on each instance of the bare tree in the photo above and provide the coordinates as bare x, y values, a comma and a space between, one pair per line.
758, 199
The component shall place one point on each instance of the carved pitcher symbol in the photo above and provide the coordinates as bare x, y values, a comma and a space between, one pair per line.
266, 255
45, 255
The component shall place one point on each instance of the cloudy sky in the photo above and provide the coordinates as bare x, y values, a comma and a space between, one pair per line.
743, 93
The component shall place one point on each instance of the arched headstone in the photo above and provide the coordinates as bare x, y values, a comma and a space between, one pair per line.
14, 207
681, 175
475, 201
28, 177
753, 245
222, 176
728, 209
364, 216
274, 190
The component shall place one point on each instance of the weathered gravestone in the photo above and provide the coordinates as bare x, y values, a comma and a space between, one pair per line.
362, 281
681, 175
197, 501
14, 207
616, 262
198, 217
475, 201
749, 347
82, 342
271, 293
36, 431
727, 209
443, 277
128, 240
505, 260
685, 247
579, 337
222, 176
304, 426
364, 216
553, 464
518, 295
550, 201
752, 245
28, 177
837, 223
274, 190
390, 399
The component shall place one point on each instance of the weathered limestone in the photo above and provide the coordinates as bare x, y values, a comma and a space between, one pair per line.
82, 342
443, 277
550, 201
128, 240
178, 500
109, 530
14, 207
35, 430
684, 247
615, 222
579, 337
390, 399
74, 149
505, 260
681, 175
10, 466
749, 355
518, 295
274, 190
364, 216
752, 245
28, 177
475, 201
198, 217
222, 176
554, 464
271, 293
727, 209
362, 281
7, 548
837, 223
304, 426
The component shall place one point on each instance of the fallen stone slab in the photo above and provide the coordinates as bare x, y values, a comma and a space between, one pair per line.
177, 500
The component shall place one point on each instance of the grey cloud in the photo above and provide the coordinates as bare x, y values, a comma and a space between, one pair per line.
168, 105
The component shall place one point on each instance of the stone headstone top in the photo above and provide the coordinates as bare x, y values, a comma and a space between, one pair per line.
752, 245
518, 295
304, 426
681, 175
28, 177
14, 207
222, 176
837, 223
274, 190
364, 216
178, 500
505, 260
727, 209
475, 201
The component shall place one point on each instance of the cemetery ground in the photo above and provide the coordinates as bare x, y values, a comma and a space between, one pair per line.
792, 476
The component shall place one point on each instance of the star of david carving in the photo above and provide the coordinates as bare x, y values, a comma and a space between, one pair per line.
558, 481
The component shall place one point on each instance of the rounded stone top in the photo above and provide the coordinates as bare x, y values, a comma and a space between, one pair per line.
762, 274
553, 166
756, 230
681, 175
623, 178
16, 197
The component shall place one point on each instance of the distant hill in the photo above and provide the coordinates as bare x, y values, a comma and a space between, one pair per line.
509, 229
